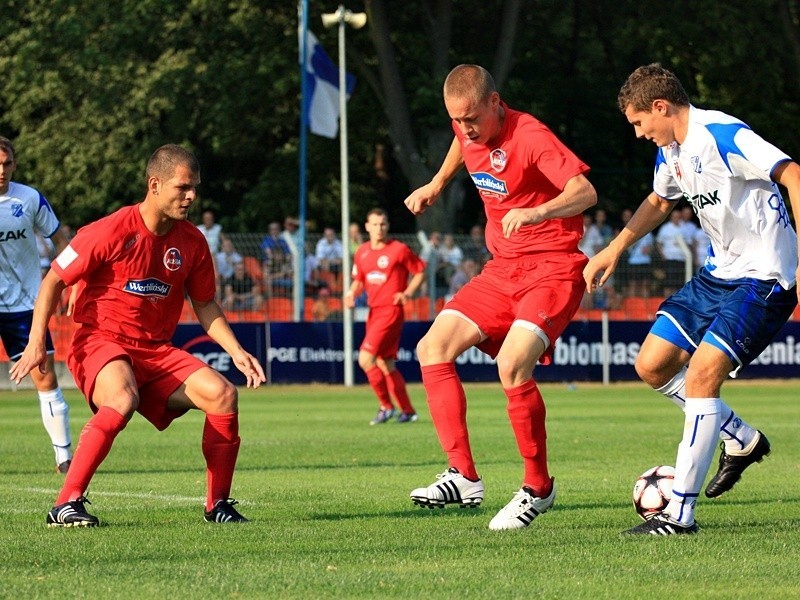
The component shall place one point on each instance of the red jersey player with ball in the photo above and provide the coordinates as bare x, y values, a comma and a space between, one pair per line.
382, 267
534, 190
134, 267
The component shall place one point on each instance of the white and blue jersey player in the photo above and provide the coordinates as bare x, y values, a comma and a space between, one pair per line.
23, 213
724, 317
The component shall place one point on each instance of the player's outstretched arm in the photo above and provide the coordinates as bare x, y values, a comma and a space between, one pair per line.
652, 212
35, 353
212, 319
426, 196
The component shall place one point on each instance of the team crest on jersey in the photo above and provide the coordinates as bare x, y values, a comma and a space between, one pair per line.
498, 159
172, 259
148, 287
16, 209
383, 261
489, 183
698, 168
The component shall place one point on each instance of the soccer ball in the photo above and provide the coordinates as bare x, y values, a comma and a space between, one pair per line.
652, 491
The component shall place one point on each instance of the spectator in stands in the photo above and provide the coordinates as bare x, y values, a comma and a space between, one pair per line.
291, 229
321, 309
688, 226
591, 241
311, 276
430, 252
476, 247
278, 265
701, 244
635, 274
603, 228
329, 251
226, 259
241, 291
669, 246
466, 271
211, 230
451, 255
432, 255
355, 239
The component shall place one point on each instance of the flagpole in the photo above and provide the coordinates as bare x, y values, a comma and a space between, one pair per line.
300, 266
356, 20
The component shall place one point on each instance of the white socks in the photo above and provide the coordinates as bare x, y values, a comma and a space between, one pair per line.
55, 416
736, 434
700, 432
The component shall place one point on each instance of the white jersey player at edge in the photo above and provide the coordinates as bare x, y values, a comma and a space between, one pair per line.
24, 211
725, 316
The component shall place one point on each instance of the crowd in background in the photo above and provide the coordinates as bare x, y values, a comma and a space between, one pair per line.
252, 269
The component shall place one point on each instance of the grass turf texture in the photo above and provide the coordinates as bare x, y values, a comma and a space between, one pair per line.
328, 498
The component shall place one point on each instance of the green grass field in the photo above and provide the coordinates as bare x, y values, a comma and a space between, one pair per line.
331, 517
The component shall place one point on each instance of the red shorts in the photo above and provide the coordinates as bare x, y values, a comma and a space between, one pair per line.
545, 291
159, 369
384, 326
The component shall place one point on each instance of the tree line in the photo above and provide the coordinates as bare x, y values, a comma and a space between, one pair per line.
91, 88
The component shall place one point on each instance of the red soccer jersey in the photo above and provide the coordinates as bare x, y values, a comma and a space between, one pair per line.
525, 166
385, 272
134, 279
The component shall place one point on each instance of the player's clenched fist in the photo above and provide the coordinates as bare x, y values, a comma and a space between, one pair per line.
422, 198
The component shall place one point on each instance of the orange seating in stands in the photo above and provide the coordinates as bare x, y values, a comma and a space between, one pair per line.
653, 304
418, 309
333, 281
280, 309
253, 267
636, 308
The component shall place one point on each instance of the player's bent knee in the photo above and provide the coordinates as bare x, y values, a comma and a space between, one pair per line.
650, 373
225, 398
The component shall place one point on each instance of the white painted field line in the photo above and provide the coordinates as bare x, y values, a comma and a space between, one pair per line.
149, 495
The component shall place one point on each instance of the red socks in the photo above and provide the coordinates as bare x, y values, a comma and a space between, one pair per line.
220, 448
526, 411
397, 388
448, 405
378, 383
93, 446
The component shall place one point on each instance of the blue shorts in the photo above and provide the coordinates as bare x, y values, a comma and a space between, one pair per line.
740, 316
15, 329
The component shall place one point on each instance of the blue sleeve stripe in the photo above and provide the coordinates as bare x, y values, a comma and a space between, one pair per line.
723, 135
44, 204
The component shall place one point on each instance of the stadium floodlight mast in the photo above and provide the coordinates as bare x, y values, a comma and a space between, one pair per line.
356, 21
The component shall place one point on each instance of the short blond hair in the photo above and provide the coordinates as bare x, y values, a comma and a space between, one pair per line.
469, 81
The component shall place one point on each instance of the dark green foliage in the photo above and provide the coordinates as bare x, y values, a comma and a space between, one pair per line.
91, 88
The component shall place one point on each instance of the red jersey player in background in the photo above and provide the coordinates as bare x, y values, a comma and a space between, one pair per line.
534, 190
135, 266
381, 266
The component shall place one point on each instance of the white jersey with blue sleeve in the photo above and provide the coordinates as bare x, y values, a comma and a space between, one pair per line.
723, 170
23, 210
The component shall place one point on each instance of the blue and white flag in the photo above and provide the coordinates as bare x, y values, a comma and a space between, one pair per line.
322, 80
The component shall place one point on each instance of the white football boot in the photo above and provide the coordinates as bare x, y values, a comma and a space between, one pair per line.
450, 487
523, 508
